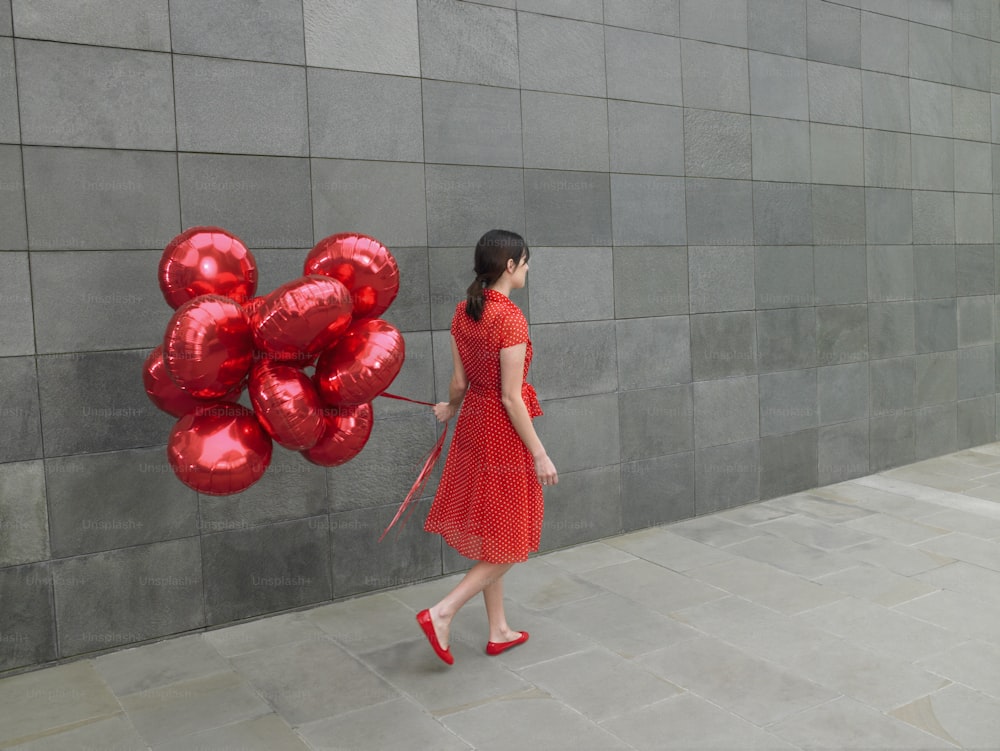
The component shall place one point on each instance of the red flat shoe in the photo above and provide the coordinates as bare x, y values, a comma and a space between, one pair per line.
424, 619
496, 647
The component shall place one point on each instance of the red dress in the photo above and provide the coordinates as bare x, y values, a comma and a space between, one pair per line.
489, 503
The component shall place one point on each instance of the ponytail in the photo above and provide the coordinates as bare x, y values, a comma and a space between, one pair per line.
474, 299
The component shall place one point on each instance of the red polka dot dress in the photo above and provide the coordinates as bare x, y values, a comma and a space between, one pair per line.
489, 503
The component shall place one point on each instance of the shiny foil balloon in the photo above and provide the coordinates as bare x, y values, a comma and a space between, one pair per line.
287, 405
302, 317
161, 389
346, 431
219, 449
362, 364
207, 261
208, 346
363, 264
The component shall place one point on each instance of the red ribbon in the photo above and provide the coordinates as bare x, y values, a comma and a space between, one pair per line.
425, 474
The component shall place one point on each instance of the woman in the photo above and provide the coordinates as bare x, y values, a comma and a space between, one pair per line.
489, 504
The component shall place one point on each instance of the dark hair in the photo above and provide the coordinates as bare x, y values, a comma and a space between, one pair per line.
493, 251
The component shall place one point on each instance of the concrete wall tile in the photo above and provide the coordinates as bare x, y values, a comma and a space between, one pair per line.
584, 506
891, 328
648, 210
974, 269
369, 116
657, 352
930, 53
723, 21
721, 278
843, 451
560, 55
885, 101
387, 200
782, 213
647, 138
593, 421
726, 411
838, 215
547, 142
239, 29
834, 94
715, 77
574, 359
936, 378
841, 274
17, 331
891, 441
13, 228
240, 107
786, 339
934, 271
657, 491
650, 281
20, 430
379, 36
777, 26
719, 212
789, 463
467, 42
884, 44
934, 218
778, 86
643, 67
567, 208
24, 522
930, 108
788, 401
28, 615
589, 297
660, 16
76, 198
723, 345
145, 591
656, 422
841, 334
843, 393
115, 23
834, 33
976, 422
837, 154
780, 149
784, 277
726, 476
976, 371
890, 273
266, 201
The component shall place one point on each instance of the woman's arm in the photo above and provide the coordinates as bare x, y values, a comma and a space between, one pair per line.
444, 411
511, 380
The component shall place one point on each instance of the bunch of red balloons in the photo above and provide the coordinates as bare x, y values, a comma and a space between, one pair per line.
312, 354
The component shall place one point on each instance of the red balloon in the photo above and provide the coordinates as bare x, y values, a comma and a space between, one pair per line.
362, 364
251, 306
219, 449
206, 261
208, 346
161, 389
346, 431
302, 317
287, 405
363, 264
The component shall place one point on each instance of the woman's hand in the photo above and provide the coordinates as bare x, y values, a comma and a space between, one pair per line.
545, 470
444, 411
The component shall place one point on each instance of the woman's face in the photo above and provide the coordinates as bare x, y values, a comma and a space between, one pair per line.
519, 272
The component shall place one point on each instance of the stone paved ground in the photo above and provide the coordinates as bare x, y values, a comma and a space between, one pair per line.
864, 615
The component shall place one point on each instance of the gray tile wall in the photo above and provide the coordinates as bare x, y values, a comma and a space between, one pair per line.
764, 258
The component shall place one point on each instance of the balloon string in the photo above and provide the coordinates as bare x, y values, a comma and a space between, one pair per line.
425, 473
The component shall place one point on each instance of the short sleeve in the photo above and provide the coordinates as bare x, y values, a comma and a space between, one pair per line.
513, 329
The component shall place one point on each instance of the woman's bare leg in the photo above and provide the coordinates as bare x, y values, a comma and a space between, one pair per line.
475, 581
493, 597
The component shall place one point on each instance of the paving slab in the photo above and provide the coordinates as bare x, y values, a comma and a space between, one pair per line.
398, 725
661, 546
721, 673
621, 625
186, 707
974, 664
309, 680
58, 698
154, 665
529, 722
652, 586
114, 733
689, 722
957, 715
849, 724
964, 614
266, 733
878, 585
613, 687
